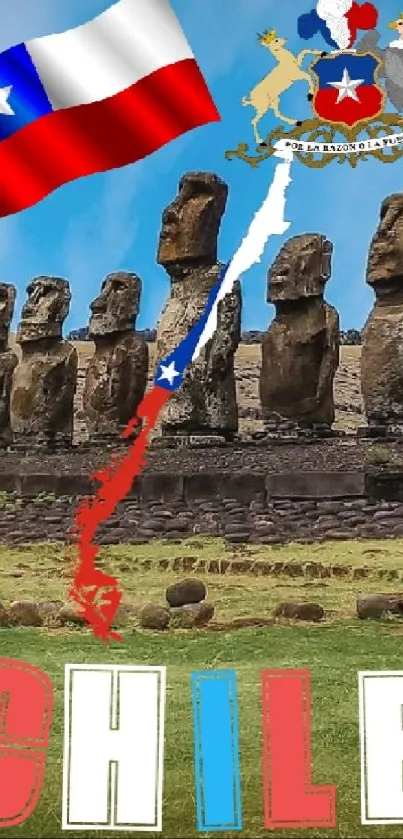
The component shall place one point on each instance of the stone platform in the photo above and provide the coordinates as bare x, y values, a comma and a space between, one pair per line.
252, 492
274, 456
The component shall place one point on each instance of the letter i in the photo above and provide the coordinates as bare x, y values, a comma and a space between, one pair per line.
217, 771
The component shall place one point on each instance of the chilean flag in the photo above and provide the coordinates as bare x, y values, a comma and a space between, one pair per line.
95, 98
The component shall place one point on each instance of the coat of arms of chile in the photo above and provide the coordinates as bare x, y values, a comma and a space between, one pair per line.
348, 86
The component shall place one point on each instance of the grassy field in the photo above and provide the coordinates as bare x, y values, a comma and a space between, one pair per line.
333, 651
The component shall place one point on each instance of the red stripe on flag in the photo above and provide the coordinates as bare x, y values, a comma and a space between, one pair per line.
72, 143
290, 799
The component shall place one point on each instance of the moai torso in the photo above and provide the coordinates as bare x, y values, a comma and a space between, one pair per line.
382, 349
116, 377
8, 361
45, 379
206, 402
300, 351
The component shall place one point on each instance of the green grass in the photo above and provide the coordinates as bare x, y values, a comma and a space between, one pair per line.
333, 651
39, 572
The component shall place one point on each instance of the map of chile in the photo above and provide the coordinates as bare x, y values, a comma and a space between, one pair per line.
346, 92
97, 593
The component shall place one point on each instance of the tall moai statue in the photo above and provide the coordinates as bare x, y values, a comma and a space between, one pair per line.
206, 402
300, 351
8, 361
45, 379
382, 349
116, 377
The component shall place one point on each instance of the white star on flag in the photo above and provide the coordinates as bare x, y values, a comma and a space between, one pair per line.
5, 108
347, 87
168, 373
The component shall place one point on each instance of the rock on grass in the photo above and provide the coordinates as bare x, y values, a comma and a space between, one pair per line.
300, 611
154, 617
378, 605
186, 591
191, 615
24, 613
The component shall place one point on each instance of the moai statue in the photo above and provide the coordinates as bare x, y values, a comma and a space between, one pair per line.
206, 402
8, 361
45, 379
300, 351
116, 378
382, 350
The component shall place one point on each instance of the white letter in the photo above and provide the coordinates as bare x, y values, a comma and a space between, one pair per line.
113, 747
381, 737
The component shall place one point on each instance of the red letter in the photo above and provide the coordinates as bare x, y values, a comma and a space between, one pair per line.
290, 799
26, 705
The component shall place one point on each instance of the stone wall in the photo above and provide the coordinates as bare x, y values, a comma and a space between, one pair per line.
242, 508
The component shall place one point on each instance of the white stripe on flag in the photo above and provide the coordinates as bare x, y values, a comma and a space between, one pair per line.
113, 747
267, 221
110, 53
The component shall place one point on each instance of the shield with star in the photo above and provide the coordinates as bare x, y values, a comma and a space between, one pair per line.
347, 89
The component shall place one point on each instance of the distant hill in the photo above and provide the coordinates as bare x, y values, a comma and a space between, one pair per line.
81, 334
351, 337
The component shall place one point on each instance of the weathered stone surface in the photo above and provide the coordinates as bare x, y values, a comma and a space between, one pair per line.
382, 350
378, 605
69, 613
190, 225
49, 609
206, 402
116, 377
125, 615
385, 258
45, 379
189, 590
191, 615
300, 351
8, 295
300, 611
154, 617
8, 361
3, 615
45, 311
24, 613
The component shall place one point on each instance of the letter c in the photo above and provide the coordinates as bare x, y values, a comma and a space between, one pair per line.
26, 707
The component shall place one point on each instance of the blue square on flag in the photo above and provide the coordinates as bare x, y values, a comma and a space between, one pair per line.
22, 95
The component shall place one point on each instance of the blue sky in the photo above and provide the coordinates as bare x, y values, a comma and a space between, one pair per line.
111, 221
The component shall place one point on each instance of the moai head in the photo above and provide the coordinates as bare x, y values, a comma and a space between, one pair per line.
385, 259
7, 301
46, 309
301, 269
116, 308
191, 223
